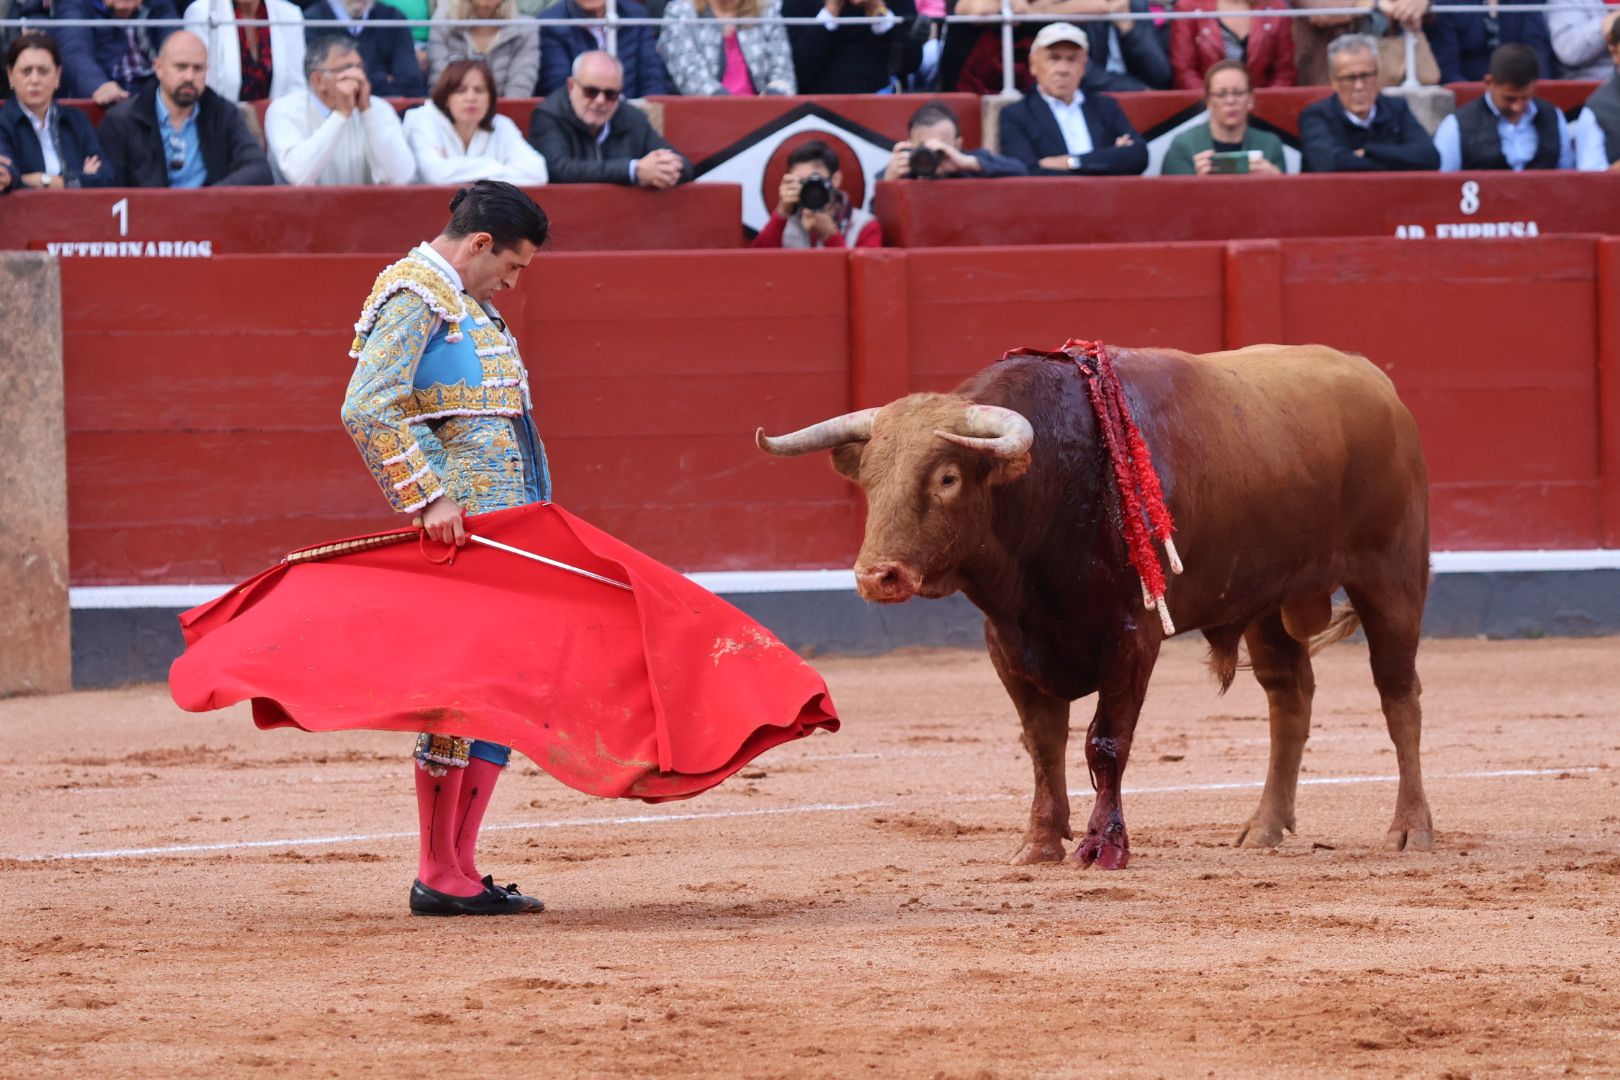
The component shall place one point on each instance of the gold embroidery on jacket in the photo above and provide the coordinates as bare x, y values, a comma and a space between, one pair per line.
426, 282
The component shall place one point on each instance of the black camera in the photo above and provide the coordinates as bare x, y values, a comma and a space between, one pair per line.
924, 162
814, 193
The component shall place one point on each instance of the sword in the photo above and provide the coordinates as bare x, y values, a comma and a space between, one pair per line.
366, 543
487, 542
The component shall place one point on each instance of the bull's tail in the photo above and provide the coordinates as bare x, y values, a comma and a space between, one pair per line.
1345, 622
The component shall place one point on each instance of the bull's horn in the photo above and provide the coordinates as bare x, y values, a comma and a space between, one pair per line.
998, 432
851, 427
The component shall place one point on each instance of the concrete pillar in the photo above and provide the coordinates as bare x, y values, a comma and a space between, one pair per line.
35, 648
652, 110
990, 119
1430, 104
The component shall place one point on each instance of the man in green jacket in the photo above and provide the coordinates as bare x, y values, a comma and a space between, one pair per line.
1229, 97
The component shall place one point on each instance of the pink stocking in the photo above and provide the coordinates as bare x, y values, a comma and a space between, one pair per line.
437, 800
476, 787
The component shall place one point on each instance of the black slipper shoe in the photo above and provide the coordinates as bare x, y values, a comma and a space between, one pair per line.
529, 903
426, 901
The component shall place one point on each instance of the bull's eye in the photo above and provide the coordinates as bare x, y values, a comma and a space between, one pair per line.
948, 480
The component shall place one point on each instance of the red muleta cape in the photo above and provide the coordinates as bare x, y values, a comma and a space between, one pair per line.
656, 693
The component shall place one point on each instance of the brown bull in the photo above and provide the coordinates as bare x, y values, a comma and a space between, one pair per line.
1290, 472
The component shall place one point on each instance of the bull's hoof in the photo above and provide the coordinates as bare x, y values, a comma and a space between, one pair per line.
1045, 849
1260, 834
1093, 850
1409, 840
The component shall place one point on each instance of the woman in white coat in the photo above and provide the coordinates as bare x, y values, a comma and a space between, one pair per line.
250, 63
457, 136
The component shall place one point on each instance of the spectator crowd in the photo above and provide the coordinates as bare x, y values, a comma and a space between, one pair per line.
217, 101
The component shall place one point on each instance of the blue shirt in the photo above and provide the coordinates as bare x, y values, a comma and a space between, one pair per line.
183, 146
1518, 140
1591, 146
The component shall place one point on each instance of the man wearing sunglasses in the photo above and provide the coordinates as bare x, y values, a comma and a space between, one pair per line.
587, 138
177, 133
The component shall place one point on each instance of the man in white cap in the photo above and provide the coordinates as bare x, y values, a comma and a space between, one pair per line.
1060, 130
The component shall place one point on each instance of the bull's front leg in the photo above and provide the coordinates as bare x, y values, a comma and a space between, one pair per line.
1121, 687
1046, 736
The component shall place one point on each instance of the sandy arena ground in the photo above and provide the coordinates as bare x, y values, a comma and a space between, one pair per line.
843, 908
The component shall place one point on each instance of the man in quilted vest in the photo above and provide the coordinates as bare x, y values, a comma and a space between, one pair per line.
1507, 128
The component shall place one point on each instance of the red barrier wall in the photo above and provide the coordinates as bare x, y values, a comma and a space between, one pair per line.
584, 217
1568, 94
1135, 209
946, 314
203, 438
957, 213
1492, 347
202, 412
700, 127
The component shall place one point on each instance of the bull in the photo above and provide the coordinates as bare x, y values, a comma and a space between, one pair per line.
1290, 472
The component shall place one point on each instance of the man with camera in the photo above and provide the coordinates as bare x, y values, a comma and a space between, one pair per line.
812, 209
933, 150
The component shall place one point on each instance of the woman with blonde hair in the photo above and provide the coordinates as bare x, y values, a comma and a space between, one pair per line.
708, 58
458, 137
511, 51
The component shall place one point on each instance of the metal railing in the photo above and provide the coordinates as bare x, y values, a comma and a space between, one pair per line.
610, 21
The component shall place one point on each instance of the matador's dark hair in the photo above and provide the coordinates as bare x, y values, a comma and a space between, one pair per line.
497, 208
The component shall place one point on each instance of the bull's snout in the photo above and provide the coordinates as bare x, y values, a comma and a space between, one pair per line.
887, 582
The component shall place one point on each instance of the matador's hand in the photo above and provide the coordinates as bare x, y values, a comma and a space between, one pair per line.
442, 521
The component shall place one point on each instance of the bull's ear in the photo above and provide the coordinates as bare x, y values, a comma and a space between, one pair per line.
1006, 470
846, 460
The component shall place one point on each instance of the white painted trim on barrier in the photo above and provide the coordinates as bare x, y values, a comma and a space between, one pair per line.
809, 808
738, 582
96, 597
724, 582
788, 581
1506, 562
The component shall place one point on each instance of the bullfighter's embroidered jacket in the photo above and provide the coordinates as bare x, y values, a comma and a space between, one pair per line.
439, 402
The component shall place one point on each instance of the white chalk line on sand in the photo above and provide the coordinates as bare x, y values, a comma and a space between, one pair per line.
769, 757
711, 815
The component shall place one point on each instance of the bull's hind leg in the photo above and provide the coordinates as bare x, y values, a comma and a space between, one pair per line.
1392, 617
1046, 737
1121, 688
1282, 665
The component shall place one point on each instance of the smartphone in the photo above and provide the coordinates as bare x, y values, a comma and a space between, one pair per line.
1229, 161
